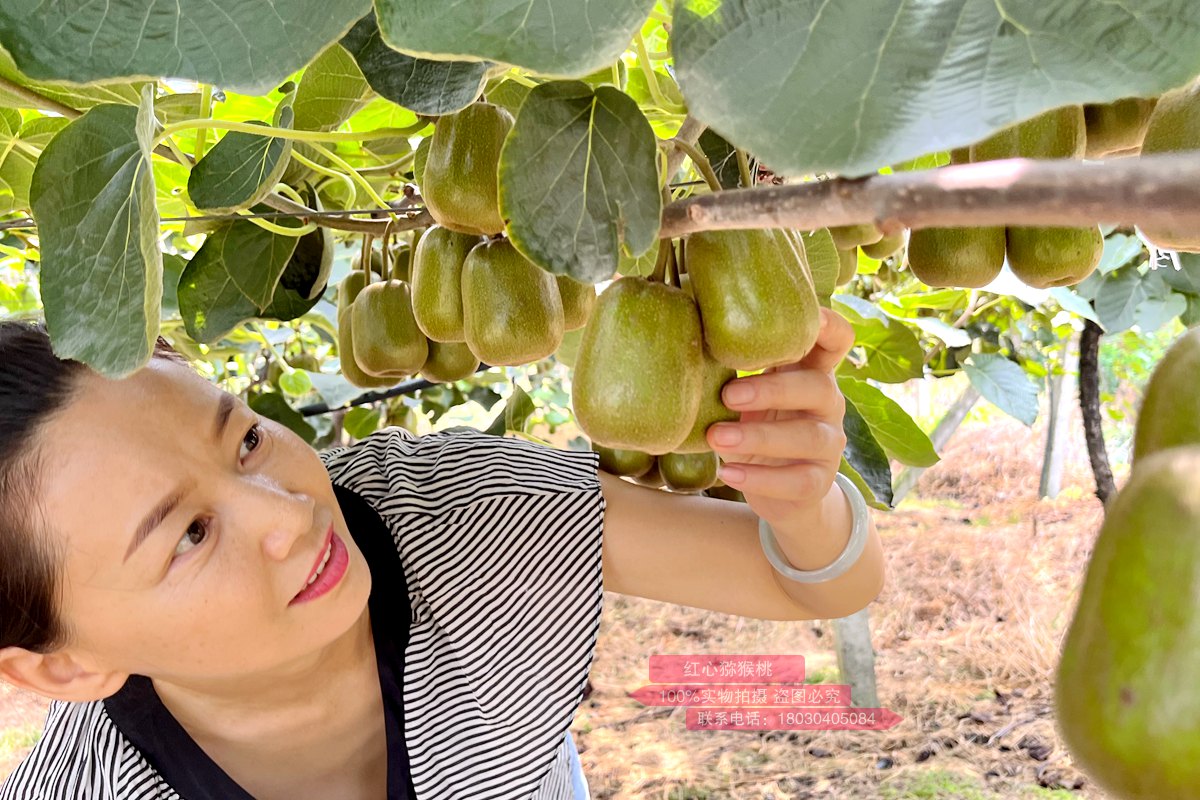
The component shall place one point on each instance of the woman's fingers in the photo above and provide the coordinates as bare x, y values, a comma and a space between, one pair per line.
799, 484
800, 390
796, 438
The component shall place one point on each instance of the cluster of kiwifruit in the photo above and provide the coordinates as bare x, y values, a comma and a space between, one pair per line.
468, 294
658, 351
1042, 257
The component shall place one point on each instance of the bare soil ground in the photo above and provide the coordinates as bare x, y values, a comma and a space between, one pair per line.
982, 580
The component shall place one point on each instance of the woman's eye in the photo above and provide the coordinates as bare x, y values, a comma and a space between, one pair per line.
196, 533
253, 438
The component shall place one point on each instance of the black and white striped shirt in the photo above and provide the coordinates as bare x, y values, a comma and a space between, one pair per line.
500, 542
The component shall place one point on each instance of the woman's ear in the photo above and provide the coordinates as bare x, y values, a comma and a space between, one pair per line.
61, 675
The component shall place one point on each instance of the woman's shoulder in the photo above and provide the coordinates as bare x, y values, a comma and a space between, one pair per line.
457, 466
82, 756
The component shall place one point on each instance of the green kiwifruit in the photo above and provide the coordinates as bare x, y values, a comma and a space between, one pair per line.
449, 361
1168, 415
847, 265
886, 247
512, 311
578, 299
848, 236
1120, 125
640, 367
387, 340
1057, 133
1046, 257
1124, 697
712, 408
437, 282
459, 183
689, 472
349, 288
1174, 126
626, 463
963, 257
652, 479
350, 369
757, 302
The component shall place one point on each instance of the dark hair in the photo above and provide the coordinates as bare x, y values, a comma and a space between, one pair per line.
35, 384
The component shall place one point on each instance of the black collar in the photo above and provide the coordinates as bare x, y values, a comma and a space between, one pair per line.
140, 715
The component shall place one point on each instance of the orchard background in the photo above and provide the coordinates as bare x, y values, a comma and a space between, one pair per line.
215, 177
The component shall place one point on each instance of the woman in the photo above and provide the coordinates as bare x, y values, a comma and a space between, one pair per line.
219, 612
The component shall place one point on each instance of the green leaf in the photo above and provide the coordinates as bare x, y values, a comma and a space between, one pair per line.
79, 98
295, 383
1005, 384
1154, 312
561, 38
1186, 279
101, 274
868, 495
1070, 301
890, 424
273, 405
518, 410
823, 261
331, 90
240, 170
579, 177
953, 337
173, 267
424, 86
335, 390
248, 46
938, 299
813, 86
893, 353
1119, 250
510, 95
231, 277
361, 421
1118, 297
866, 456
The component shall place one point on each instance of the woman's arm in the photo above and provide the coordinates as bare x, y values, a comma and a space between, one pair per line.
705, 553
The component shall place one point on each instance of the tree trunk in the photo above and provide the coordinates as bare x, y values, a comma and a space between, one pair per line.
1062, 387
1089, 404
856, 658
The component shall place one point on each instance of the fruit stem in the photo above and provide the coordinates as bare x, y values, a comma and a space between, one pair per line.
385, 254
743, 162
324, 170
672, 271
364, 258
660, 100
174, 148
272, 352
660, 263
700, 162
389, 168
352, 172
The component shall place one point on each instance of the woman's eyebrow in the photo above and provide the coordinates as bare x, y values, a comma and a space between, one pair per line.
163, 509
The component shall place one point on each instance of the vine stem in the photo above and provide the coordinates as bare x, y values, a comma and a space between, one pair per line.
205, 110
39, 100
1159, 190
282, 230
743, 162
639, 47
277, 133
326, 171
352, 172
701, 162
287, 368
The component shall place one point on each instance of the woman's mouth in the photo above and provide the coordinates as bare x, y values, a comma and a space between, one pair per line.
326, 572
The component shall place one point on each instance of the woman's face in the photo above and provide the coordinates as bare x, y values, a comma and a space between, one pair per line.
208, 594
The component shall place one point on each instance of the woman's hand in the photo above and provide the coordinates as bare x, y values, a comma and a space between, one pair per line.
787, 446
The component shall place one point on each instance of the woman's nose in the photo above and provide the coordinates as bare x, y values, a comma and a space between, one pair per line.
283, 519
